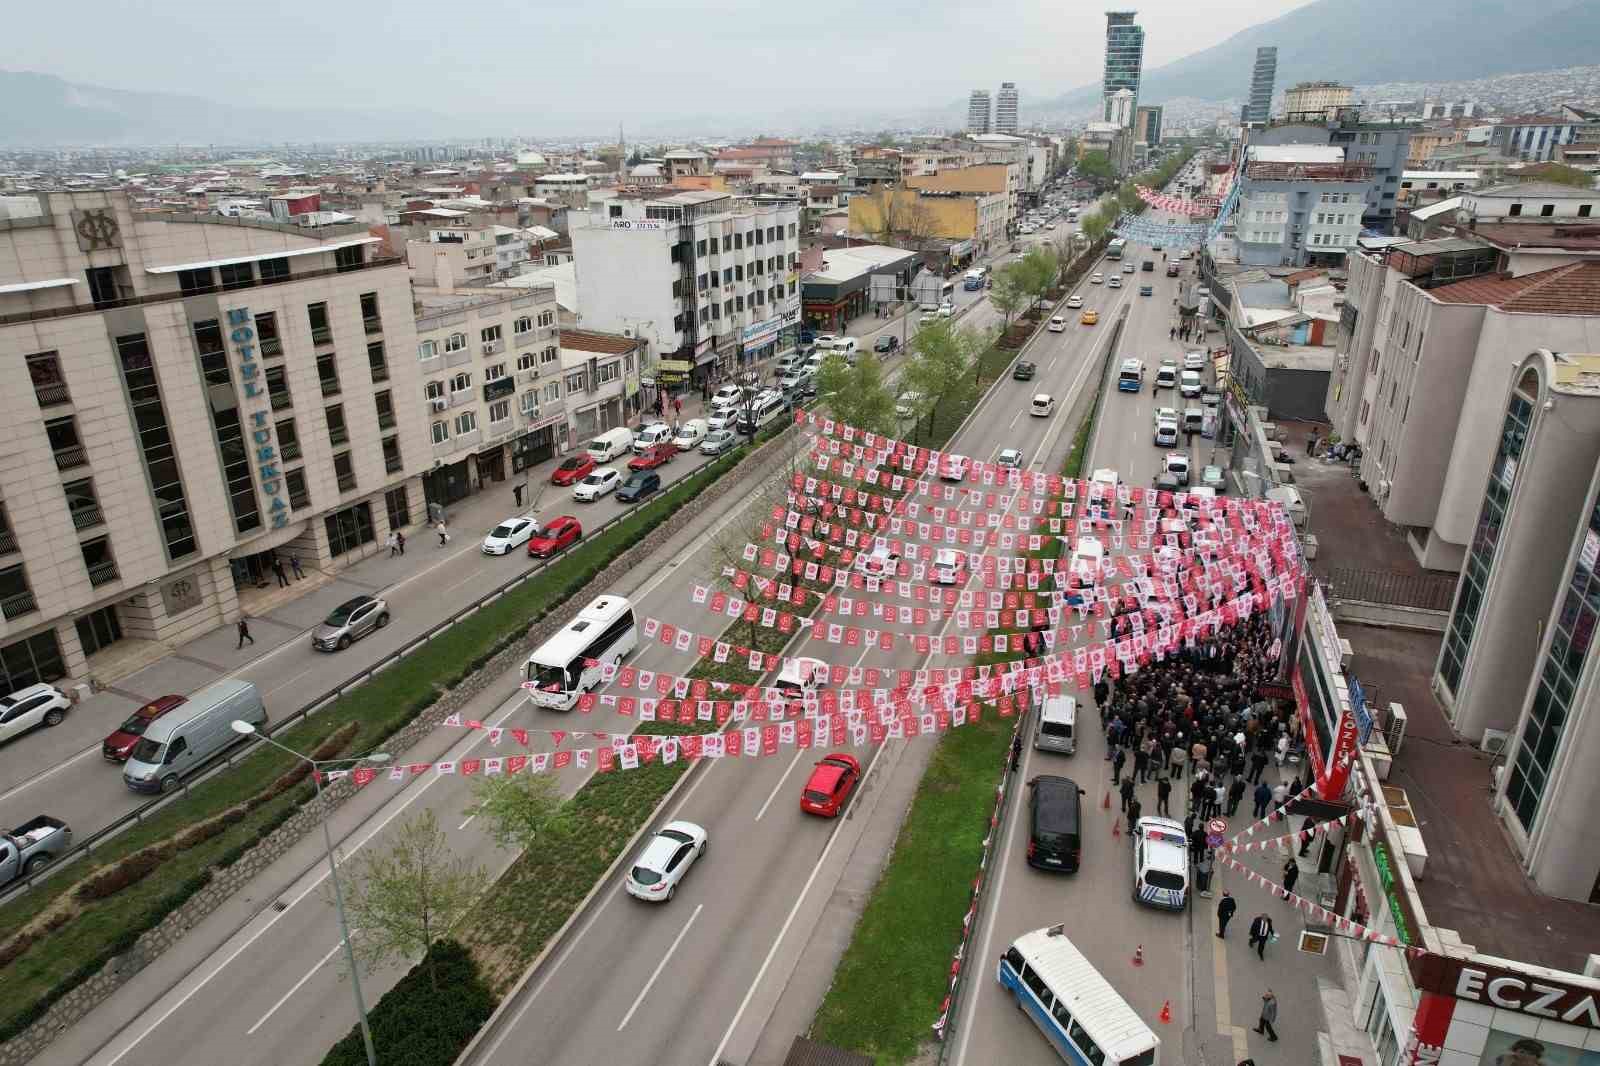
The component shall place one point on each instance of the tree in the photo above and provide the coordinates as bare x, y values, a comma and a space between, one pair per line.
1559, 173
518, 808
941, 367
405, 897
1037, 274
857, 395
1008, 294
1096, 166
1094, 225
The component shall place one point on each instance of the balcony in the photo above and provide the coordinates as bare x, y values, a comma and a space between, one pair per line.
103, 573
347, 481
71, 457
373, 325
271, 346
380, 373
52, 395
330, 386
8, 542
87, 516
281, 399
17, 605
321, 334
493, 390
430, 365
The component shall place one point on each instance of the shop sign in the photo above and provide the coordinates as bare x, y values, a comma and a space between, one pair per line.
761, 333
638, 223
179, 595
1539, 996
791, 314
1391, 890
258, 414
674, 366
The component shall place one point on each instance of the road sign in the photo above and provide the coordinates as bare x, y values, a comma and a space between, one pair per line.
1213, 840
1216, 827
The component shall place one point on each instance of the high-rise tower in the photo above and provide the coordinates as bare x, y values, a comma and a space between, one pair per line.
1259, 108
1005, 108
1124, 57
978, 112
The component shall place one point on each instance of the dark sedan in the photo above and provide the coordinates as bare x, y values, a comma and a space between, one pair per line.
1024, 370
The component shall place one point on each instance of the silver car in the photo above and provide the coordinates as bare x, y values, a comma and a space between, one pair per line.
350, 621
718, 441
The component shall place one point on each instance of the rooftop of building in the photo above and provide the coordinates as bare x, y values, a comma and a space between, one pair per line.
1571, 289
1575, 236
1294, 153
584, 340
1439, 207
430, 303
563, 277
1543, 190
844, 264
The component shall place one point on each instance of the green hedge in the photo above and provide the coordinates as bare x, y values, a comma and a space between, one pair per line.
417, 1023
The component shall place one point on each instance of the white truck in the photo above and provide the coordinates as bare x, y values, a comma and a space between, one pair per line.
31, 846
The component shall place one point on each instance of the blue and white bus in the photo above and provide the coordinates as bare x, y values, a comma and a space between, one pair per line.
1078, 1011
1114, 249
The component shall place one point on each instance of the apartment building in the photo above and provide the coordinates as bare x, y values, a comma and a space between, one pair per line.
1309, 98
1381, 147
189, 396
1005, 108
700, 278
1005, 180
1535, 138
492, 391
1262, 76
979, 112
918, 214
1531, 200
1299, 204
455, 256
600, 377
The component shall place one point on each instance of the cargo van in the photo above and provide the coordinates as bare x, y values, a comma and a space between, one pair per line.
1057, 728
611, 444
1055, 823
845, 348
179, 742
1194, 420
763, 412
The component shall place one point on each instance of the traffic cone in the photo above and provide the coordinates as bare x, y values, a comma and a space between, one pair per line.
1166, 1012
1138, 955
1116, 828
1105, 804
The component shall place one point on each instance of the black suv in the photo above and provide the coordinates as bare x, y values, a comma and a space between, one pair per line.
1024, 370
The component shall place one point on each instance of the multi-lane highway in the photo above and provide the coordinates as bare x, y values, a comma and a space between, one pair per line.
1095, 904
272, 993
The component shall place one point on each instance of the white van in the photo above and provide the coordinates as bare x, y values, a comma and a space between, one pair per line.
1189, 383
768, 407
180, 741
847, 348
690, 434
650, 436
611, 444
1080, 1014
1057, 728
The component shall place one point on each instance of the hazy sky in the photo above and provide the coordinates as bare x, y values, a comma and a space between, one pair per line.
599, 59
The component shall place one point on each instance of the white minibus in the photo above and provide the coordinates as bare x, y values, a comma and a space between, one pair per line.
568, 664
1076, 1008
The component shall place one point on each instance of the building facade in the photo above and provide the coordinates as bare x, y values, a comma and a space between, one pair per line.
1124, 61
1298, 204
978, 112
1005, 109
1147, 125
1262, 77
1309, 98
491, 386
600, 381
191, 399
1380, 147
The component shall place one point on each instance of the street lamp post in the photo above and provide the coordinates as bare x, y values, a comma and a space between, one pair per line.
247, 729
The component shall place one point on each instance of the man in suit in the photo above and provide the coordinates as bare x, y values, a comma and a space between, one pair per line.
1260, 932
1225, 908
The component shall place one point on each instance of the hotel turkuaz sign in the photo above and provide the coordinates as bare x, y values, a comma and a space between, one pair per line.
258, 414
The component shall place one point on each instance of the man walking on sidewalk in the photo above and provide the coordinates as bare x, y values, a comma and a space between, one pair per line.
244, 633
1127, 792
294, 564
1263, 796
1261, 932
1235, 794
277, 569
1291, 874
1225, 908
1269, 1014
394, 544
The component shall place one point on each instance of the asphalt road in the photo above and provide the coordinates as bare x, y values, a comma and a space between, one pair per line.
1095, 904
272, 993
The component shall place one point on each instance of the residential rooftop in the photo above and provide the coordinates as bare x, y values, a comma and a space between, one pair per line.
1571, 289
584, 340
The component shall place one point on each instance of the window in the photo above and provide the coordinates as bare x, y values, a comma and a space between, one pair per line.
391, 455
377, 362
195, 282
434, 390
490, 334
288, 441
738, 272
236, 276
384, 403
1583, 210
1547, 210
522, 325
428, 350
347, 259
530, 402
344, 470
552, 392
494, 373
16, 598
30, 661
549, 355
441, 431
547, 318
700, 247
466, 422
227, 424
328, 374
349, 529
155, 442
82, 503
462, 382
398, 507
295, 481
273, 270
49, 384
455, 342
575, 382
527, 361
338, 432
1514, 210
608, 372
317, 314
499, 411
370, 320
1036, 985
99, 561
267, 338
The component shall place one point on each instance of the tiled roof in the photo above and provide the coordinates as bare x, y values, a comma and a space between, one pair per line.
584, 340
1573, 289
1571, 236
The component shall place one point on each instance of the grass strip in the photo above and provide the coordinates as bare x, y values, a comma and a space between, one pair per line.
64, 957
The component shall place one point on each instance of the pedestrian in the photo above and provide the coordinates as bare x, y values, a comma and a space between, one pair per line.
294, 564
1218, 796
1202, 870
1118, 757
516, 491
1172, 333
1280, 795
1127, 792
1176, 760
1260, 932
1197, 842
1291, 874
1163, 796
1225, 908
444, 535
1282, 752
401, 537
277, 570
1016, 751
1307, 834
677, 406
1263, 796
244, 633
1258, 765
1135, 811
1141, 765
1235, 794
394, 544
1269, 1014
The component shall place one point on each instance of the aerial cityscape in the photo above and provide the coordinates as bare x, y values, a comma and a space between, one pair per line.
502, 511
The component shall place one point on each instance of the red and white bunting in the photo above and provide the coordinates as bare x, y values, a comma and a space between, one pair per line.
1311, 909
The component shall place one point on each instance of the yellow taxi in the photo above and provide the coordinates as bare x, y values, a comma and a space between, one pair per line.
1090, 317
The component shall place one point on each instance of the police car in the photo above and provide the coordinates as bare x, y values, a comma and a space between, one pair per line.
1160, 864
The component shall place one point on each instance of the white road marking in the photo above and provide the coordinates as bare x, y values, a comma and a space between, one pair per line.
1014, 419
297, 986
662, 965
34, 780
775, 788
469, 821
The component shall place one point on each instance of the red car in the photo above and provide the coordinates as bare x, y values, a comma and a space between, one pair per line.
119, 745
573, 469
832, 780
653, 456
558, 534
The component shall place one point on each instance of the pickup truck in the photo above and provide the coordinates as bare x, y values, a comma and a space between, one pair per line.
656, 455
31, 846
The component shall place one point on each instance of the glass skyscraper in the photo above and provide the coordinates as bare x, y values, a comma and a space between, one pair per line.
1124, 56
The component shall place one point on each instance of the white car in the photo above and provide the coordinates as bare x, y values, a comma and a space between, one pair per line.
725, 420
718, 441
1166, 434
1127, 268
1097, 278
600, 481
800, 677
947, 566
1166, 414
947, 309
690, 434
1058, 324
880, 561
1189, 383
650, 436
1194, 360
1075, 302
1043, 405
661, 866
1177, 464
825, 341
728, 394
27, 708
1009, 457
907, 404
953, 468
511, 533
1160, 864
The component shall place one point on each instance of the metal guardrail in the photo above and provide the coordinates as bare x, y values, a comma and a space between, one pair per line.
1427, 592
226, 759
